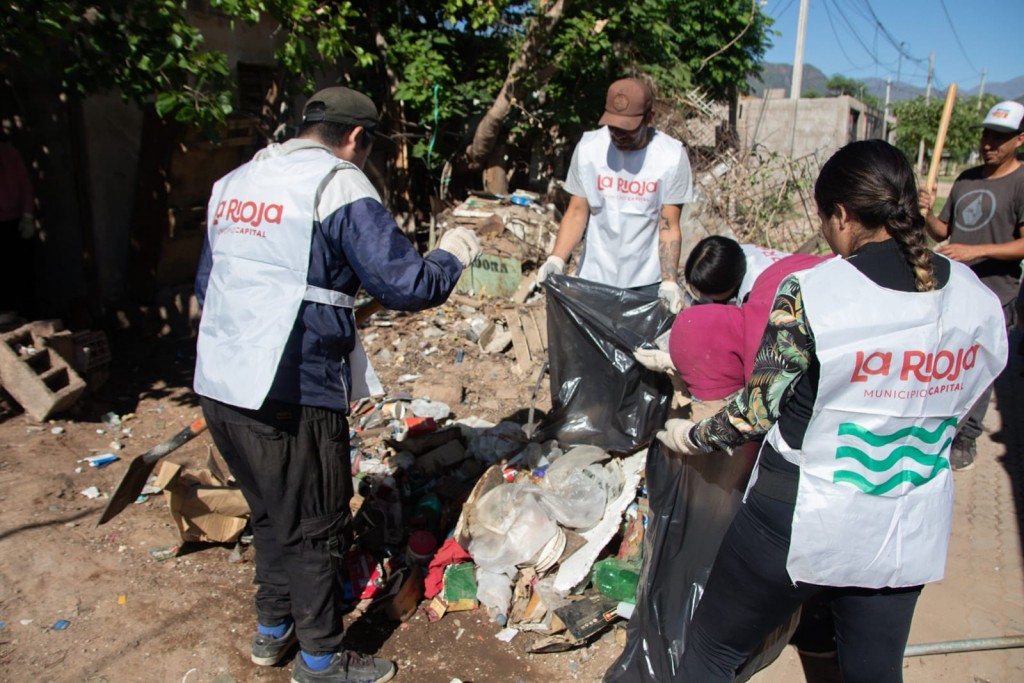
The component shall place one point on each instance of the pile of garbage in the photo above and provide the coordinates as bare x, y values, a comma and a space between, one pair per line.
468, 514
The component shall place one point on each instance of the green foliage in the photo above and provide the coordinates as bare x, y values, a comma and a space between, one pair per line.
872, 101
313, 32
150, 52
398, 52
841, 85
917, 119
147, 50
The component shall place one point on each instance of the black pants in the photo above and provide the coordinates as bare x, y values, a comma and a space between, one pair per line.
971, 427
292, 464
749, 593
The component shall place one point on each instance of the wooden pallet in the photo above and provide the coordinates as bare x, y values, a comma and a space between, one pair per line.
529, 329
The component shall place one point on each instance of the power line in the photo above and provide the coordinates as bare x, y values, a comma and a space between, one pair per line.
856, 35
838, 41
889, 36
782, 11
953, 29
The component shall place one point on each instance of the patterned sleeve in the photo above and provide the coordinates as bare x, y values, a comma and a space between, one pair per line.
784, 355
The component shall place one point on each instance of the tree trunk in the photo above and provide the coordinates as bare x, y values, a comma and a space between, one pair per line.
400, 199
479, 154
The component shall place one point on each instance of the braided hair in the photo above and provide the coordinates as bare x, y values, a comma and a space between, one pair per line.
874, 181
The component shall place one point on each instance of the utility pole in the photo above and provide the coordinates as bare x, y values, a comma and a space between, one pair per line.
885, 113
927, 100
798, 58
899, 66
931, 69
981, 90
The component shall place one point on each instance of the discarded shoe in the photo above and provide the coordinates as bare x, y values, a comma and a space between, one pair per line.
268, 651
962, 456
345, 667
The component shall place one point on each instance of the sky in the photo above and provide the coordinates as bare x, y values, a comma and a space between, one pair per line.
860, 38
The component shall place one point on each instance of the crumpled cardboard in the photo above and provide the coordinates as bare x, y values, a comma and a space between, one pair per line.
202, 506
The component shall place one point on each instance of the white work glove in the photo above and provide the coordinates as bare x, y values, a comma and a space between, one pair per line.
462, 243
27, 227
672, 295
676, 436
655, 359
553, 266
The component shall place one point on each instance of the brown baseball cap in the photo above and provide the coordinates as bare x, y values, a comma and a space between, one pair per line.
629, 100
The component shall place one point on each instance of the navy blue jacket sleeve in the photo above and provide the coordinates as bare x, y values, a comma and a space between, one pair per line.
203, 271
387, 264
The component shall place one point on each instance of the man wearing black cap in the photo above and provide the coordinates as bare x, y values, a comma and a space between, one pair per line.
291, 237
982, 220
628, 183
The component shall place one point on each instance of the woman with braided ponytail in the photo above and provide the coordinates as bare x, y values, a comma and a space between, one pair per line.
868, 363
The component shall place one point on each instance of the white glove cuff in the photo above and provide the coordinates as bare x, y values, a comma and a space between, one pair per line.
457, 250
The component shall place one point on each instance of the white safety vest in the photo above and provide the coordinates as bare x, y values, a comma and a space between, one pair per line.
758, 260
625, 193
260, 227
899, 370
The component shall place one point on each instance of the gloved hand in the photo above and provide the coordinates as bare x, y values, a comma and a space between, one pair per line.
27, 227
671, 294
462, 243
676, 437
655, 359
553, 266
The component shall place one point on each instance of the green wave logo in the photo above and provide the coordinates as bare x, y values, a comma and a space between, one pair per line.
936, 461
876, 440
899, 453
866, 486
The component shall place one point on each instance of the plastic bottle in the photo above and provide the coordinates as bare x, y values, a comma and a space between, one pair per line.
617, 579
421, 547
427, 514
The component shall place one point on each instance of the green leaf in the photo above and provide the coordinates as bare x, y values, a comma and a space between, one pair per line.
166, 103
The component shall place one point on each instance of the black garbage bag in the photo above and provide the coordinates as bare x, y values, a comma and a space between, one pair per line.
600, 395
693, 500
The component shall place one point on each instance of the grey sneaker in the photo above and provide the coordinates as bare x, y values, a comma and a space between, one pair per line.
345, 667
268, 651
962, 456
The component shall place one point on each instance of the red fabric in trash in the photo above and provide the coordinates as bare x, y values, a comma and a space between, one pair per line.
759, 302
706, 346
450, 553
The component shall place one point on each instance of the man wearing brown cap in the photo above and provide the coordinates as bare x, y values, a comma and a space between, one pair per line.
982, 220
291, 237
628, 183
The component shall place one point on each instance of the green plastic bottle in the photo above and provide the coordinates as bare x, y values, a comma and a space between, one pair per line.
617, 579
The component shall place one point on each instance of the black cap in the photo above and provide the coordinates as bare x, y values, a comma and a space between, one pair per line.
342, 105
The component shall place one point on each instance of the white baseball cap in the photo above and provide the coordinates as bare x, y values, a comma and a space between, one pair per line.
1005, 117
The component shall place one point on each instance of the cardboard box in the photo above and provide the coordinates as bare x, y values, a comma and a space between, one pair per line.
202, 506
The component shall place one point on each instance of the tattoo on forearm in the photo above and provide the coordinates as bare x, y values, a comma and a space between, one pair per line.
668, 256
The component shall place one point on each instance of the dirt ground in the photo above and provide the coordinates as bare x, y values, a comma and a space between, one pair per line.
188, 619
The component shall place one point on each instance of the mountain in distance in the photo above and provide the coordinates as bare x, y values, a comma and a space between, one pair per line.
777, 76
814, 80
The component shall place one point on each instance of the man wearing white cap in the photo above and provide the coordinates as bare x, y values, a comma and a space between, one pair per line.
628, 183
982, 221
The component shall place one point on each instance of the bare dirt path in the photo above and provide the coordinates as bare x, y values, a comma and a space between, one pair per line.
188, 619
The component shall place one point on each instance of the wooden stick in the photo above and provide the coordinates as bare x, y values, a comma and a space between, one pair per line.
940, 140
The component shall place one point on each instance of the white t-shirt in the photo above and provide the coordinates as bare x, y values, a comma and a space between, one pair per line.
758, 260
625, 191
